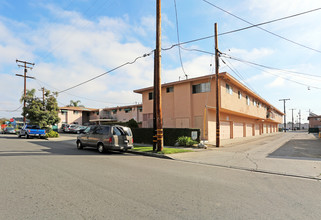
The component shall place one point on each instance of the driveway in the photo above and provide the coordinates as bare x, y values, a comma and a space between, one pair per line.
293, 154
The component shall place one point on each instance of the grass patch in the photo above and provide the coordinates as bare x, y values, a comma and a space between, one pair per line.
166, 150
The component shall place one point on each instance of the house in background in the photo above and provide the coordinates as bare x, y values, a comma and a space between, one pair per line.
84, 116
314, 120
123, 113
77, 115
191, 104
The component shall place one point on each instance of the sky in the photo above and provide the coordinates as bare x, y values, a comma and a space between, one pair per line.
72, 41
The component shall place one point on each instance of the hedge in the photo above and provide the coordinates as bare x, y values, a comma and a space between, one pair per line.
145, 135
313, 130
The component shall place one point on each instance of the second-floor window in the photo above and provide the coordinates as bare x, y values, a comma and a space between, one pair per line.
150, 96
202, 87
169, 89
247, 100
239, 94
229, 89
254, 102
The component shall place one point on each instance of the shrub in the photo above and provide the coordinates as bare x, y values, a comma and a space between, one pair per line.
52, 134
185, 141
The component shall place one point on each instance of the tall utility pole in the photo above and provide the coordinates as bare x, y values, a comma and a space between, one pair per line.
292, 118
154, 105
43, 97
158, 95
217, 89
284, 100
300, 119
26, 66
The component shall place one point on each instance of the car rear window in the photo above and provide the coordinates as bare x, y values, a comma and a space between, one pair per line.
122, 131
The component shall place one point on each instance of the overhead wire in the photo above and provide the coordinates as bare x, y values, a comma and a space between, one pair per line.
237, 73
291, 80
178, 41
118, 67
270, 32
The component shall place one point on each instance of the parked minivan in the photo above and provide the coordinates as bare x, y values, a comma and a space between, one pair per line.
106, 137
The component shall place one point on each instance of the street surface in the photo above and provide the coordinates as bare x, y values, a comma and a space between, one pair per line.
43, 179
292, 154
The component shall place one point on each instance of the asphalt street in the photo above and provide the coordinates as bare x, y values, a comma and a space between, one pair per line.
43, 179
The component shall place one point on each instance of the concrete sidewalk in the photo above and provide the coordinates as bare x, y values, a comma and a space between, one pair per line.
292, 154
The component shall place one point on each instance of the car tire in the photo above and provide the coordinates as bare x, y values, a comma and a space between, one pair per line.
19, 136
79, 145
27, 136
101, 149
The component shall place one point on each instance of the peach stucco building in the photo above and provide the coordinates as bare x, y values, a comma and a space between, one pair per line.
84, 116
77, 115
124, 113
191, 104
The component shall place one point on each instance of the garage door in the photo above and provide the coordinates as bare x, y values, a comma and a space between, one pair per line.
257, 129
264, 129
225, 132
238, 130
249, 130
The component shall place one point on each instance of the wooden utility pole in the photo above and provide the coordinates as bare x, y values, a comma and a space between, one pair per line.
217, 89
284, 100
158, 95
154, 105
299, 119
26, 66
43, 97
292, 118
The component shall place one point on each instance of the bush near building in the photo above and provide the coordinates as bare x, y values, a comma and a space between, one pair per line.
145, 135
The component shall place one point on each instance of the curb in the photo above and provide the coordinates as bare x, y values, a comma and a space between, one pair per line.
150, 154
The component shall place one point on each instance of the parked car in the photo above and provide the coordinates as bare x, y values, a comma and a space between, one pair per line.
70, 128
80, 129
9, 130
73, 128
106, 137
32, 131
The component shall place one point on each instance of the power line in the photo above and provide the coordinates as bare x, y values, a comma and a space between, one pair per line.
256, 64
118, 67
291, 80
178, 41
267, 67
253, 25
239, 75
11, 110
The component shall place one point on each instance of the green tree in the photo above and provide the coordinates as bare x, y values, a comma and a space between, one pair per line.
41, 112
75, 104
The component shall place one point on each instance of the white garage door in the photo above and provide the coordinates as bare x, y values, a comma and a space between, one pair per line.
225, 132
238, 130
257, 130
249, 130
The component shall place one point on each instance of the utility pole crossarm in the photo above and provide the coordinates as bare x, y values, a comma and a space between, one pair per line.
26, 65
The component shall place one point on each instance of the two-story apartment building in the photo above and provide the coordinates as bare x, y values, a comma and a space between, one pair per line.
82, 115
191, 104
314, 120
77, 115
124, 113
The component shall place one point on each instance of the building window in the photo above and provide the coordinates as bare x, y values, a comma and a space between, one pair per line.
76, 112
150, 96
247, 100
202, 87
239, 94
229, 89
169, 89
97, 113
127, 110
254, 102
140, 109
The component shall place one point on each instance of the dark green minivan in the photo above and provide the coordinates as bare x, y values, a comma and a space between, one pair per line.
106, 137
